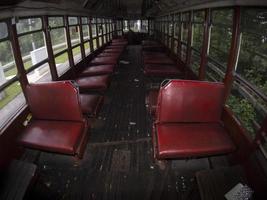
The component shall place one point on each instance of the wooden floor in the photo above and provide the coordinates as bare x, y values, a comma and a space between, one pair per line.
118, 162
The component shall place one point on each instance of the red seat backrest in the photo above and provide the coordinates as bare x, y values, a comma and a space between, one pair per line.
190, 101
54, 101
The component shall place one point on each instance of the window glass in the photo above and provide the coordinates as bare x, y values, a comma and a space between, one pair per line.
104, 28
30, 24
55, 21
125, 26
62, 63
86, 35
7, 64
94, 44
99, 29
219, 49
85, 20
11, 100
252, 63
198, 29
77, 56
100, 41
74, 35
3, 30
73, 20
144, 27
170, 28
40, 74
93, 30
248, 106
87, 48
58, 39
135, 25
33, 49
176, 26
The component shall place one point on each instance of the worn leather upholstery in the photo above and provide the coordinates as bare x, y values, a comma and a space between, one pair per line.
189, 120
181, 140
97, 70
104, 61
57, 123
161, 70
91, 104
95, 83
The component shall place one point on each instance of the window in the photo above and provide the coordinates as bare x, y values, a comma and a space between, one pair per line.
185, 24
250, 84
94, 44
29, 24
176, 26
221, 25
58, 39
11, 96
197, 33
87, 48
135, 25
144, 27
55, 21
74, 35
77, 54
86, 35
59, 44
3, 30
11, 101
125, 26
73, 20
93, 30
62, 63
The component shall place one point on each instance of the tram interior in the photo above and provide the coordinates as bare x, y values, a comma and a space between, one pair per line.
133, 99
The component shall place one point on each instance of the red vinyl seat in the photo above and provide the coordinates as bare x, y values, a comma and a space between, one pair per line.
158, 60
161, 70
115, 47
115, 55
119, 51
97, 70
93, 83
57, 123
91, 104
104, 61
189, 120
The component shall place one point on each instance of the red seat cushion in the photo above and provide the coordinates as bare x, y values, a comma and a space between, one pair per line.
54, 136
113, 51
91, 104
114, 55
179, 140
115, 47
151, 101
97, 70
158, 60
161, 70
96, 83
104, 61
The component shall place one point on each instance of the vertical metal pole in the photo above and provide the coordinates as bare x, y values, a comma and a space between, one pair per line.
69, 50
17, 55
81, 37
205, 46
51, 59
232, 59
